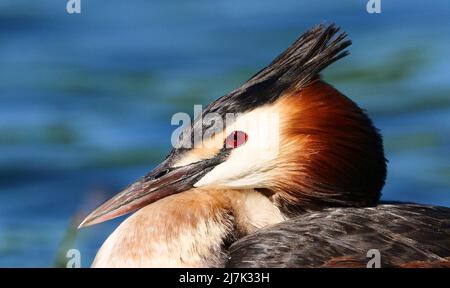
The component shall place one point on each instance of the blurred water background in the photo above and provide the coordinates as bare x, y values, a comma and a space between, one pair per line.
86, 100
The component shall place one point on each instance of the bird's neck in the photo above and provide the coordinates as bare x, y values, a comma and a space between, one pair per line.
190, 229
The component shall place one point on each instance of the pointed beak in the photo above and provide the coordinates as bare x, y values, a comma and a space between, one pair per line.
160, 183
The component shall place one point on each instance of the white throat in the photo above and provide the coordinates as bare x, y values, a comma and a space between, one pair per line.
189, 229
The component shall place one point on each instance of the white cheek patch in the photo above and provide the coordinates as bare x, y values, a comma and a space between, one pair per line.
247, 165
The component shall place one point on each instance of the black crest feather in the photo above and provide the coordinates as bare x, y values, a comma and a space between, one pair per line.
306, 57
294, 68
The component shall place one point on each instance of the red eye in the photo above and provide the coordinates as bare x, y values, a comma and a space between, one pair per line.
236, 139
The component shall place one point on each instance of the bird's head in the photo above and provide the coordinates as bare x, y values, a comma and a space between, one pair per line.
290, 135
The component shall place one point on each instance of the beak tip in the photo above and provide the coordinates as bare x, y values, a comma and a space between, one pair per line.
83, 224
97, 216
88, 221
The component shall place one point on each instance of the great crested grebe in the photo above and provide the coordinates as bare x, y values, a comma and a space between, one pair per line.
314, 203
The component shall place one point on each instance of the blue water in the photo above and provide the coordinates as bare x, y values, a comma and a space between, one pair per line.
86, 100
